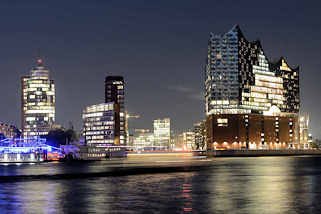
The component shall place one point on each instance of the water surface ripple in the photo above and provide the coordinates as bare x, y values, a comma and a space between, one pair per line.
220, 185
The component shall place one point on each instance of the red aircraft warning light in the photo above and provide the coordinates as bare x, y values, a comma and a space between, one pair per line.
39, 61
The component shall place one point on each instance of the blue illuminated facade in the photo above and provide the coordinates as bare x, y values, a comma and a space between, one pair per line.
25, 150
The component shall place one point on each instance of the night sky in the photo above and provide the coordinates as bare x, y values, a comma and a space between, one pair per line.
158, 46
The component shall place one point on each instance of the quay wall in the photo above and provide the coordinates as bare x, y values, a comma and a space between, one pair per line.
256, 153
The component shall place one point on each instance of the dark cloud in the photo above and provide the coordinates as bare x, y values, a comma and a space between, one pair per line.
190, 93
180, 88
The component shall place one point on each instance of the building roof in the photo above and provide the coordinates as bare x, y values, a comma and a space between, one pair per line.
114, 78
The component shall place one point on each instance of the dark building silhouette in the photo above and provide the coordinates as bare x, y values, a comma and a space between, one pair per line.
114, 92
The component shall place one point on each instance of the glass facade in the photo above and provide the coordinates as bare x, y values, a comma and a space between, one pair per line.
101, 131
162, 135
222, 87
99, 125
239, 79
38, 102
290, 78
251, 102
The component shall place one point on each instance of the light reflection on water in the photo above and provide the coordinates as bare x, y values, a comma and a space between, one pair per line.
30, 197
227, 185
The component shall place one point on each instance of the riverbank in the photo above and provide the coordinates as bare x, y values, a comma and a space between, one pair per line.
257, 153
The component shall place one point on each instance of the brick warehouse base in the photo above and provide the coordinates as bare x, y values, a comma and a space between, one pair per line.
257, 153
253, 131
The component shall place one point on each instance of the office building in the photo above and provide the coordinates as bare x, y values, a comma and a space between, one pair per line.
114, 92
101, 130
100, 125
143, 140
251, 102
162, 135
189, 141
37, 102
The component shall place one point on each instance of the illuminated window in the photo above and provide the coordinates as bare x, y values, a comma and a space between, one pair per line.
222, 122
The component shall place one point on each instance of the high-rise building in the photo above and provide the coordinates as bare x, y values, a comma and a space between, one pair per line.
114, 92
251, 102
162, 134
37, 102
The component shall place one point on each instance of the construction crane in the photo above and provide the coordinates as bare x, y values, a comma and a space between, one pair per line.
129, 116
142, 130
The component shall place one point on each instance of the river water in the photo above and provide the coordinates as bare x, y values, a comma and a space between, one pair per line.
180, 185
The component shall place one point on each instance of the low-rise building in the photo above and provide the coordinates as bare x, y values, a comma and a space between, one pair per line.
200, 135
189, 141
304, 131
101, 129
143, 141
162, 133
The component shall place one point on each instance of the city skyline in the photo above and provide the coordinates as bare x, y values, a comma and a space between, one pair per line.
168, 74
160, 106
